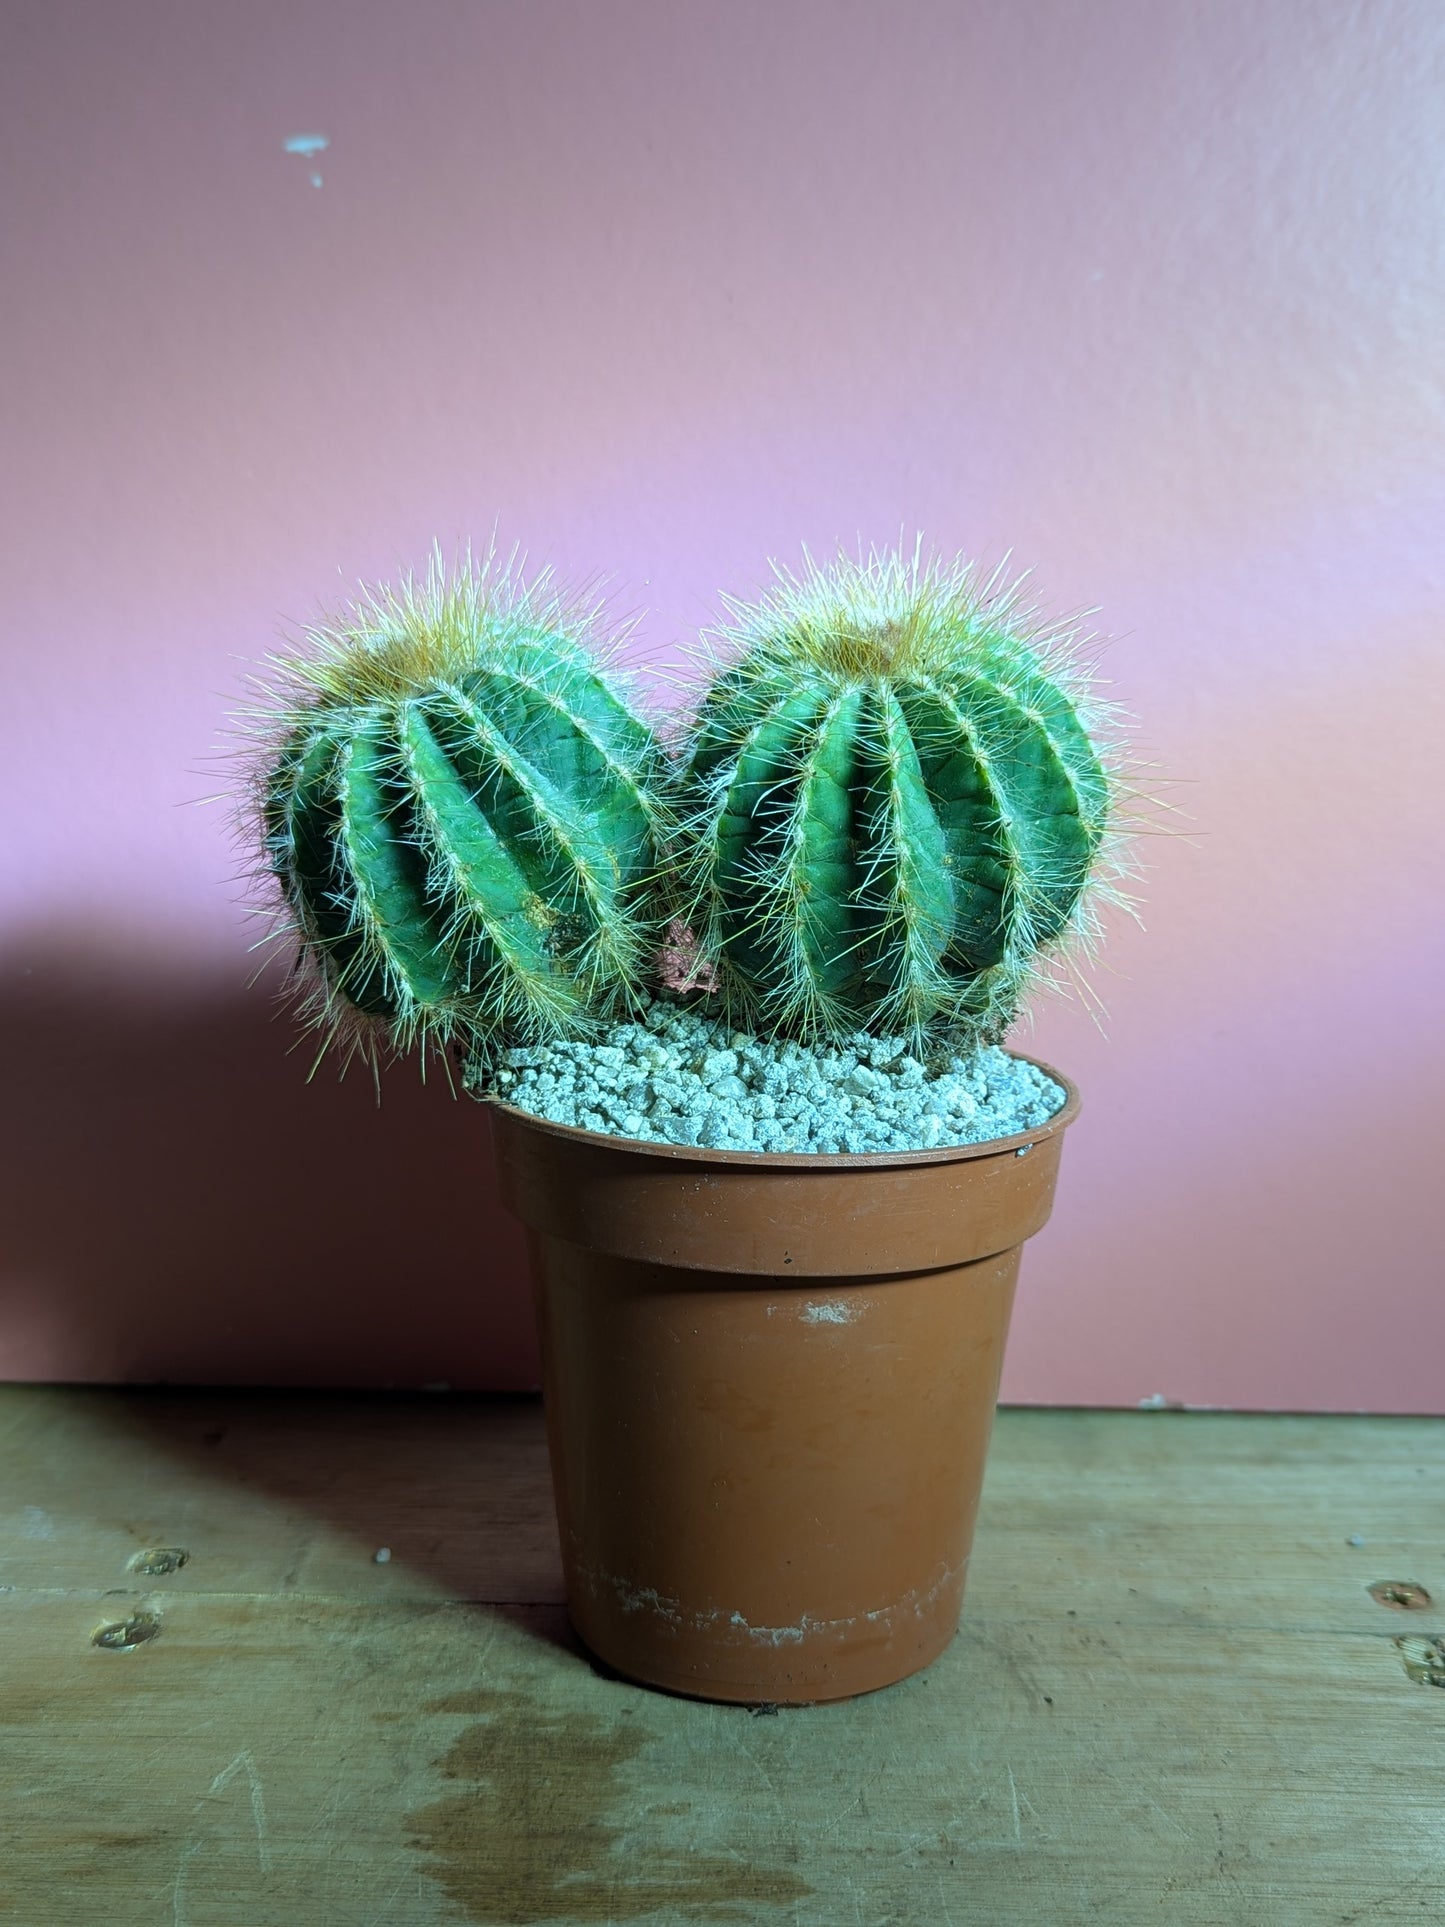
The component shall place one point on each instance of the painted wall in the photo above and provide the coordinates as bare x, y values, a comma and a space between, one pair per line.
1148, 291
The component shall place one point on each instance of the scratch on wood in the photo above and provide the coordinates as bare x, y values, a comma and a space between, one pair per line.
258, 1801
1181, 1830
192, 1844
404, 1878
179, 1916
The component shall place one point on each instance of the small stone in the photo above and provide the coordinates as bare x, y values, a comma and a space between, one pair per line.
382, 1556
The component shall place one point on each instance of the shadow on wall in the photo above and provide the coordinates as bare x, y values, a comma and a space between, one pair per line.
177, 1204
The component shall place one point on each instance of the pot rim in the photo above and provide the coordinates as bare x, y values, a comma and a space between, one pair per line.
818, 1160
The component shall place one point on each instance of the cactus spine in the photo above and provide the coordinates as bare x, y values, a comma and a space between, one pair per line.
463, 816
894, 803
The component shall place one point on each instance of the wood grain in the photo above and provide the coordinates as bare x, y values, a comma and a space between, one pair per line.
1174, 1698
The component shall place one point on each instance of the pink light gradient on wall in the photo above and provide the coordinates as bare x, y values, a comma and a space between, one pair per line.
1147, 292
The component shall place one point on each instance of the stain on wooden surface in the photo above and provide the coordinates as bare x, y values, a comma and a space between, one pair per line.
534, 1833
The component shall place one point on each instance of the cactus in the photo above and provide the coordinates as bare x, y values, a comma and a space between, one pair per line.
463, 814
895, 808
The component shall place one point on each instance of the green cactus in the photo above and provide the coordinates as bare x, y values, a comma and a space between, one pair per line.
464, 816
895, 806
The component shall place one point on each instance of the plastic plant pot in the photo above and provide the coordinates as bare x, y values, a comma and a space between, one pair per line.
770, 1382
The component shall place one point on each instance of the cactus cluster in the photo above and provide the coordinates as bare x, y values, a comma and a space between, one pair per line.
889, 811
894, 802
464, 815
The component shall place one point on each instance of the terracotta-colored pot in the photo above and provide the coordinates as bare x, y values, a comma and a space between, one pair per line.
769, 1383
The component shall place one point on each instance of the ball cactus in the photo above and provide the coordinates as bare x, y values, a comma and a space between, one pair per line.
896, 802
463, 813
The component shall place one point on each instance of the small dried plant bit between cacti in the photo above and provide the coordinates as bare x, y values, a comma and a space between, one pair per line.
464, 812
681, 966
900, 799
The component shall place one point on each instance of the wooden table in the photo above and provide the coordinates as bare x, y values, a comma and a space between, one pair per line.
1176, 1697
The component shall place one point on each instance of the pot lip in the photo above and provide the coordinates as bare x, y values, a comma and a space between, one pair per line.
816, 1160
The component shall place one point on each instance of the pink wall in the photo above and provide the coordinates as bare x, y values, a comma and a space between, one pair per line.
1147, 290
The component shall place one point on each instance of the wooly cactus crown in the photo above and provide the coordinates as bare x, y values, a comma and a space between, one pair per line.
464, 815
897, 808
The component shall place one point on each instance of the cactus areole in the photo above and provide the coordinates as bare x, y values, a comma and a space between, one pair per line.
463, 818
893, 805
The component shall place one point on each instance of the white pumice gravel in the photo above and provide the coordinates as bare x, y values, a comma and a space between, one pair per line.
676, 1077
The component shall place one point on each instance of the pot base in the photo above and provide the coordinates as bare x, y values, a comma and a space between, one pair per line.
824, 1688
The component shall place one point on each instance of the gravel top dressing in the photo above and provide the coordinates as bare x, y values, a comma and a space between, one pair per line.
677, 1077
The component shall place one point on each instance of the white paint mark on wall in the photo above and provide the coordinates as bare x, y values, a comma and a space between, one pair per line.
308, 146
36, 1523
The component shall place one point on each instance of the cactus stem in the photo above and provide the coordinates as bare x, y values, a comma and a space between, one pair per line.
464, 815
920, 868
